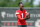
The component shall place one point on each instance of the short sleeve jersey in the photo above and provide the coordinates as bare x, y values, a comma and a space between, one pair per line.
22, 14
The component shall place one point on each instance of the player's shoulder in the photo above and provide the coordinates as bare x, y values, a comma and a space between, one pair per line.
25, 10
17, 10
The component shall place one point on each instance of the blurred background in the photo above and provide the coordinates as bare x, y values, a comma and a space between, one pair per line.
8, 9
14, 3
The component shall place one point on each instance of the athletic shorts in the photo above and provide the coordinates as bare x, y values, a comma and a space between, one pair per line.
22, 25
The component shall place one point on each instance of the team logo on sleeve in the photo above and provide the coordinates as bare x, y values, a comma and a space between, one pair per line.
26, 12
17, 12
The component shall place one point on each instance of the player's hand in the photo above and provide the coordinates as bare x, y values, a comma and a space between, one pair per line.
27, 16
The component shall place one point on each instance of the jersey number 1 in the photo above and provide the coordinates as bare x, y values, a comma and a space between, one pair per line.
22, 15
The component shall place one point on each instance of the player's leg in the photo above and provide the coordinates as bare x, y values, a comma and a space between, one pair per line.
24, 25
20, 26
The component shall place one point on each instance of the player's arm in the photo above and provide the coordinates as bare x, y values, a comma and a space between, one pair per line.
27, 16
18, 15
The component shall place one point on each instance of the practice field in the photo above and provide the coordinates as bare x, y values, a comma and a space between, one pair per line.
8, 17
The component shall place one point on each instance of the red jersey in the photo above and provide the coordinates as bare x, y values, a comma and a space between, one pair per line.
20, 16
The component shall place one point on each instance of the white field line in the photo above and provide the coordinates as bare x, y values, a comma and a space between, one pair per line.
16, 21
15, 26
